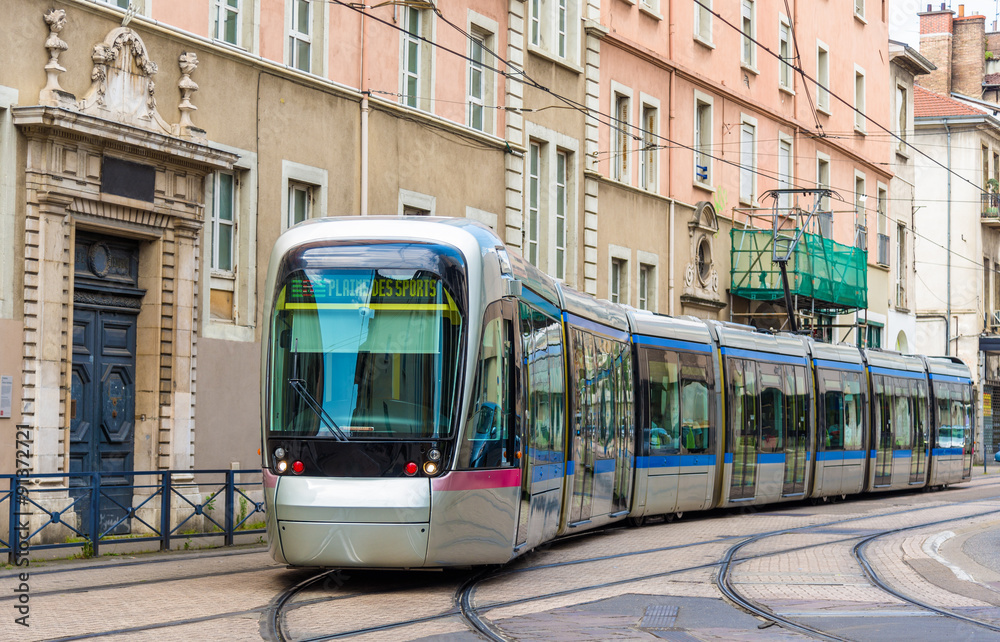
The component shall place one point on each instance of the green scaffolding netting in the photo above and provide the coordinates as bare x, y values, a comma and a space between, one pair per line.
835, 275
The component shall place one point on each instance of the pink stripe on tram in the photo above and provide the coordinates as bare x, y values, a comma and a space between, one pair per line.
478, 479
270, 479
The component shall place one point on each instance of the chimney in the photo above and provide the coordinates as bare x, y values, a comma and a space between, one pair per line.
961, 11
968, 55
936, 36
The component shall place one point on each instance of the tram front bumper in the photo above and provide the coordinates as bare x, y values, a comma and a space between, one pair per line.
337, 522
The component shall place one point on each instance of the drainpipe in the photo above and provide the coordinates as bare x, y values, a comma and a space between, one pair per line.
947, 349
364, 124
947, 329
670, 262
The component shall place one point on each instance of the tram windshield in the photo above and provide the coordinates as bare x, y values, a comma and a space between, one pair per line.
364, 354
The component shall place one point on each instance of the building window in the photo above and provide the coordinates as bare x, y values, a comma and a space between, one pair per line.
619, 284
702, 139
860, 213
553, 27
703, 21
648, 155
646, 281
562, 165
881, 207
985, 157
784, 54
784, 173
748, 52
859, 8
477, 82
623, 137
748, 164
534, 196
535, 22
561, 20
901, 266
300, 36
824, 216
121, 4
223, 222
860, 121
869, 335
822, 77
901, 121
300, 199
226, 21
412, 50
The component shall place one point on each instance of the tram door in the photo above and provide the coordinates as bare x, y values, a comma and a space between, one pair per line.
543, 452
883, 430
795, 431
585, 426
968, 420
918, 462
743, 429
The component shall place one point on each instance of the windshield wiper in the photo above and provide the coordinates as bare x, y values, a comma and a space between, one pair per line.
298, 385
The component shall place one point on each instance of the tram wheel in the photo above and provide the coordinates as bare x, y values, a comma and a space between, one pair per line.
679, 514
636, 522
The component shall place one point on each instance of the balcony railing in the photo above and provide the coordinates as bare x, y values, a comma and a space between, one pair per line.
883, 250
991, 207
861, 237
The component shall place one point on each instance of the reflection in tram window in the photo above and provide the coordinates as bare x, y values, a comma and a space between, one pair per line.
696, 428
772, 410
902, 417
486, 430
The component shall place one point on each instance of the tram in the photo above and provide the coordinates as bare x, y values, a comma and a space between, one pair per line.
431, 400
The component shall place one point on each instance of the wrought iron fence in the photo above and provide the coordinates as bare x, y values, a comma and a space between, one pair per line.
991, 205
90, 510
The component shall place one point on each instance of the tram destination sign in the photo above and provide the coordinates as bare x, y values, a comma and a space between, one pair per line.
357, 289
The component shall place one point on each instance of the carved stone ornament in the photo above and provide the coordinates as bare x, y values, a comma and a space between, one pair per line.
53, 95
701, 279
188, 62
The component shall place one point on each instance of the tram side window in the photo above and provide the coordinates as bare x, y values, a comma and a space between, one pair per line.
883, 411
541, 340
918, 390
486, 430
743, 395
664, 403
696, 429
834, 410
795, 407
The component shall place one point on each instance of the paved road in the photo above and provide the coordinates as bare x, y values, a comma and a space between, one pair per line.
655, 582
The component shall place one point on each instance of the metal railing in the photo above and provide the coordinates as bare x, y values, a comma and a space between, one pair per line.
991, 205
90, 510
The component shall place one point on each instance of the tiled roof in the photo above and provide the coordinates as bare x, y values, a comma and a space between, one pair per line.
926, 104
991, 79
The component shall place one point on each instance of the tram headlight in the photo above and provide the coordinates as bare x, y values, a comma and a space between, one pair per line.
279, 453
431, 468
434, 454
281, 466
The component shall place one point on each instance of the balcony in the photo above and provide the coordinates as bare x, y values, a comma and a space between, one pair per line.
991, 210
835, 276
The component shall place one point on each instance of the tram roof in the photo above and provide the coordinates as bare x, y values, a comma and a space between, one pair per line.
894, 360
593, 309
782, 344
667, 327
842, 352
952, 366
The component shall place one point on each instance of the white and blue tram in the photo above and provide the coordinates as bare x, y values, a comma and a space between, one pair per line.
430, 400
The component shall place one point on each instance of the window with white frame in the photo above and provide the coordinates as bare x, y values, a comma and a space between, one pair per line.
748, 160
300, 199
785, 77
901, 262
825, 216
882, 207
702, 139
300, 35
223, 221
121, 4
618, 287
859, 8
901, 118
822, 77
748, 27
412, 54
534, 202
229, 262
647, 284
653, 6
784, 173
561, 205
477, 82
703, 21
649, 152
860, 211
860, 121
226, 21
623, 137
304, 189
413, 203
553, 27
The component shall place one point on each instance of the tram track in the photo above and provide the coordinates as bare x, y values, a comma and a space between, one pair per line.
725, 584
